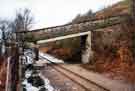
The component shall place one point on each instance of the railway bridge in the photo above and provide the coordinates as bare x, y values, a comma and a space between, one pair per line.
71, 30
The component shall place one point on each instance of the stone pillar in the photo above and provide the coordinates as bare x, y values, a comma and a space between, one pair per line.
87, 54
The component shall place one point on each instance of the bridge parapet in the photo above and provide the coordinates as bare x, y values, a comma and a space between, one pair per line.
63, 30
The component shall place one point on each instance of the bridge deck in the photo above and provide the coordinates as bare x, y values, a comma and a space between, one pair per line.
63, 37
48, 33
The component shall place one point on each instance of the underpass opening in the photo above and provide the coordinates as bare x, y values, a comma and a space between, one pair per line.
70, 50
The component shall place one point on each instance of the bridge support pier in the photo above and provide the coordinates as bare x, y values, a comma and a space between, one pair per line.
87, 54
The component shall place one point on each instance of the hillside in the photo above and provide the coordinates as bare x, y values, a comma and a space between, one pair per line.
121, 8
114, 10
113, 47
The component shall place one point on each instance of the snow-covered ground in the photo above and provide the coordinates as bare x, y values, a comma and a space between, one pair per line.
29, 55
49, 57
43, 57
29, 87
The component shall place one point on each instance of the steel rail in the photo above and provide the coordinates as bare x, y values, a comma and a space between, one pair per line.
87, 80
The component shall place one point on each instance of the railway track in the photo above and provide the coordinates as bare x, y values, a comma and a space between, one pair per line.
85, 83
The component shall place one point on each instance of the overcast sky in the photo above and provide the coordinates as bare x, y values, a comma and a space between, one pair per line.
52, 12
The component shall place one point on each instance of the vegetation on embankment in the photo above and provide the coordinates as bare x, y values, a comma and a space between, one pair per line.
113, 52
114, 47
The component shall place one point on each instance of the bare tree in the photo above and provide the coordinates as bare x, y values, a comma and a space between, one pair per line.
5, 34
88, 16
23, 22
76, 18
